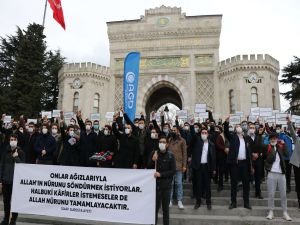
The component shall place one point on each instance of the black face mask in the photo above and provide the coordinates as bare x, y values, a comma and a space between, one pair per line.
173, 134
151, 127
14, 127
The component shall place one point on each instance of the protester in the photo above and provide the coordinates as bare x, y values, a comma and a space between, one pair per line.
12, 155
30, 138
164, 163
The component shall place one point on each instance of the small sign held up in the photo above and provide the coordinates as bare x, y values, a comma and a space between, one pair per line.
265, 112
68, 115
95, 116
281, 118
32, 121
7, 119
200, 108
182, 114
252, 118
47, 114
235, 119
56, 113
255, 111
109, 116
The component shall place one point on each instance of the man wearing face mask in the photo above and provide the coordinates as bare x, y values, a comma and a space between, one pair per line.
274, 154
88, 141
239, 163
164, 163
204, 165
58, 139
12, 155
128, 155
244, 126
45, 147
151, 144
30, 139
96, 127
9, 131
177, 146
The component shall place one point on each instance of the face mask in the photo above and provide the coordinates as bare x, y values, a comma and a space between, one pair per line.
71, 133
30, 129
13, 144
127, 131
162, 147
141, 126
54, 131
196, 130
186, 128
203, 137
208, 128
88, 127
106, 132
96, 127
239, 130
21, 130
166, 130
136, 125
252, 131
72, 123
273, 143
44, 130
278, 131
153, 136
231, 129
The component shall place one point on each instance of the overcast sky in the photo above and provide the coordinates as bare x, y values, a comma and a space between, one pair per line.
248, 26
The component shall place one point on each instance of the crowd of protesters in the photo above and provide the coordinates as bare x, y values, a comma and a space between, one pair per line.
200, 153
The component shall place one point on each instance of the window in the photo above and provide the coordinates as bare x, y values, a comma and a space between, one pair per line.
96, 103
75, 102
231, 102
254, 97
273, 98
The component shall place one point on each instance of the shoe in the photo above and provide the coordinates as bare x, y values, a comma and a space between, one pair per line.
259, 197
270, 215
171, 204
197, 205
286, 216
232, 206
209, 207
180, 205
248, 206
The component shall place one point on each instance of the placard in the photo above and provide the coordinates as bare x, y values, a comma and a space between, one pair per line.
56, 113
68, 115
281, 118
255, 111
200, 108
294, 118
203, 115
234, 120
265, 112
270, 120
109, 116
252, 118
47, 114
95, 116
101, 194
182, 114
239, 113
7, 119
32, 121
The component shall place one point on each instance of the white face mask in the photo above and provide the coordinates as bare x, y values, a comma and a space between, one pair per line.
239, 130
196, 130
186, 128
204, 137
162, 147
54, 131
231, 129
72, 123
21, 130
71, 133
30, 129
88, 127
278, 131
127, 131
166, 130
153, 136
252, 131
44, 130
13, 144
141, 126
106, 132
273, 143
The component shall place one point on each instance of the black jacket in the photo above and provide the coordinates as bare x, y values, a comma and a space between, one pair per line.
166, 166
29, 145
47, 142
69, 155
7, 165
269, 155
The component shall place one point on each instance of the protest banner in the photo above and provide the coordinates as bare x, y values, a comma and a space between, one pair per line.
265, 112
101, 194
234, 119
7, 119
56, 113
47, 114
200, 108
95, 116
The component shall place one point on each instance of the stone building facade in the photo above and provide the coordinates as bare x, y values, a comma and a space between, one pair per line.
179, 65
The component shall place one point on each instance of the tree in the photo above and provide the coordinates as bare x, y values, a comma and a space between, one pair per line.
291, 75
28, 73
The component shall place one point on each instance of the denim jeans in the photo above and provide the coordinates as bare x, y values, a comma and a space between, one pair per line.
178, 185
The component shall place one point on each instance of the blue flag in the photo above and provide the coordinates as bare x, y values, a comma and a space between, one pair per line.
131, 80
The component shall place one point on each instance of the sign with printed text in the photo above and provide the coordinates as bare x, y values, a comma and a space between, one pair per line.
95, 116
252, 118
295, 118
47, 114
200, 108
265, 112
68, 115
203, 115
281, 118
270, 120
182, 114
101, 194
275, 111
32, 121
109, 116
255, 111
7, 119
234, 119
56, 113
239, 113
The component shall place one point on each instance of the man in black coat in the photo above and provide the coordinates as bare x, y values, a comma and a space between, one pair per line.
203, 156
30, 138
165, 170
12, 155
239, 162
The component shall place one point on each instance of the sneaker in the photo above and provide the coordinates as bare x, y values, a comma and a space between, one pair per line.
286, 216
12, 222
232, 206
270, 215
171, 204
180, 205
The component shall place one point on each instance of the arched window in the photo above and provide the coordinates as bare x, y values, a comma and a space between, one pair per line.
254, 97
273, 98
75, 102
231, 102
96, 103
